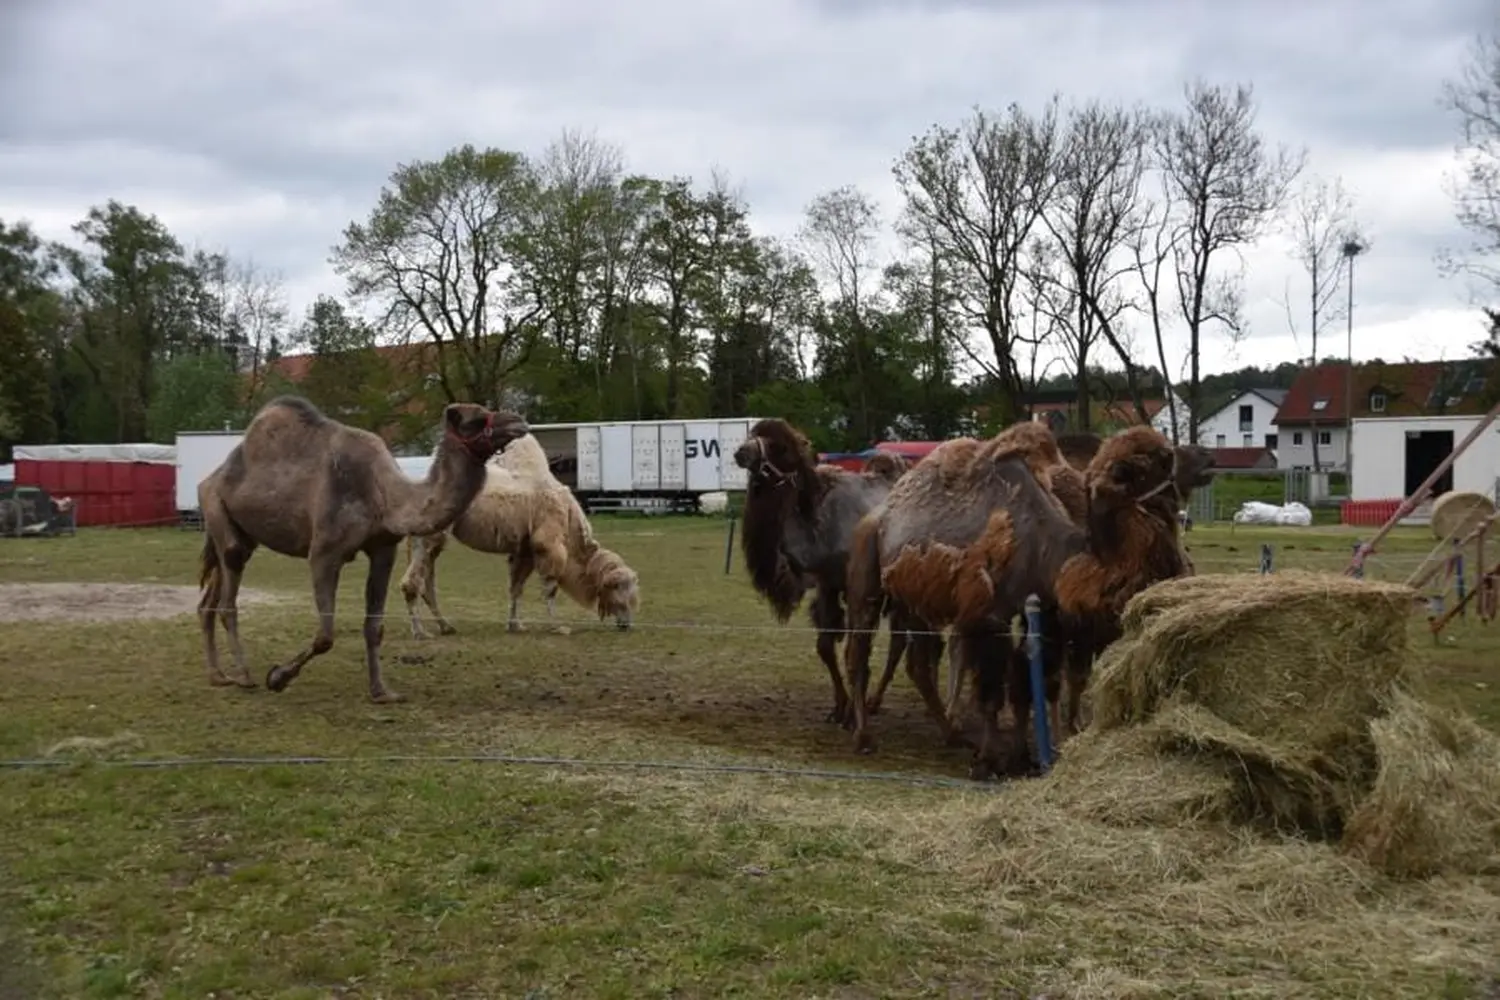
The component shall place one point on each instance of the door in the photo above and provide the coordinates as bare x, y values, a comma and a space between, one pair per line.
590, 473
645, 451
1425, 451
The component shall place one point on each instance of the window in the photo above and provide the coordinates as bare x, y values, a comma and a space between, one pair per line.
1247, 417
1320, 404
1270, 440
1247, 440
1219, 441
1325, 438
1296, 439
1377, 402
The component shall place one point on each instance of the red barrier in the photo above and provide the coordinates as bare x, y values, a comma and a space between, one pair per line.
1368, 513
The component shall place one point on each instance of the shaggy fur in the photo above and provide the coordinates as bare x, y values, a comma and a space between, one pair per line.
526, 514
307, 486
971, 531
798, 520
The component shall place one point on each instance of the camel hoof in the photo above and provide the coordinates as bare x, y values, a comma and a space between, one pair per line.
562, 630
981, 770
514, 627
420, 633
276, 679
872, 707
864, 744
386, 697
245, 683
219, 680
446, 629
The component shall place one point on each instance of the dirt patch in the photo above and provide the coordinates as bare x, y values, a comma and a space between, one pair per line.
106, 601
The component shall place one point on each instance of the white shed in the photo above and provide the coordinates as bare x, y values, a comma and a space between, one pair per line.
1393, 455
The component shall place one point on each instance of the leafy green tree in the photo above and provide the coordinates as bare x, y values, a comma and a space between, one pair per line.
194, 391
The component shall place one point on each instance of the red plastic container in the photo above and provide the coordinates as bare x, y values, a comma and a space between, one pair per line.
135, 494
1368, 513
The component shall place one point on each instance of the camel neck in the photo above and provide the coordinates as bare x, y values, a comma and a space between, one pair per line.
434, 504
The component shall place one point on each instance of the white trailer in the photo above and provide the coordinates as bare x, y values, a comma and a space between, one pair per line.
646, 462
198, 454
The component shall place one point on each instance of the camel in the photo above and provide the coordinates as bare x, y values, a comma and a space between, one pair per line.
1071, 641
798, 519
524, 513
975, 528
307, 486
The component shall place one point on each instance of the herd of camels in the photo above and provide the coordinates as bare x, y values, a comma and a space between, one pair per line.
953, 544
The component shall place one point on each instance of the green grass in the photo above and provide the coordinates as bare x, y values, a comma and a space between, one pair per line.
468, 880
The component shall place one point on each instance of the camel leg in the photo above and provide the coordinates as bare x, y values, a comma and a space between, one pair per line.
420, 579
521, 566
229, 611
987, 657
1079, 666
382, 562
326, 566
900, 623
923, 653
208, 610
955, 675
829, 622
549, 554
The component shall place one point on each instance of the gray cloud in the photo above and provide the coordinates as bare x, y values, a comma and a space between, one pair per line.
267, 126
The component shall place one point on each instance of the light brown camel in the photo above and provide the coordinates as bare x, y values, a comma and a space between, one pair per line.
974, 528
307, 486
798, 519
525, 513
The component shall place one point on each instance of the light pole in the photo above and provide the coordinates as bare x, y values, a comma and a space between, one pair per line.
1351, 249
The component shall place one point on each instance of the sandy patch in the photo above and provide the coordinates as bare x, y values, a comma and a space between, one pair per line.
106, 601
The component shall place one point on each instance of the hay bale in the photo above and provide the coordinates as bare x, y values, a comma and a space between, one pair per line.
1456, 513
1435, 804
1125, 778
1296, 660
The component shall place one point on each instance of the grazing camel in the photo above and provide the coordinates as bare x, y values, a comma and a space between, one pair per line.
976, 527
307, 486
798, 519
524, 513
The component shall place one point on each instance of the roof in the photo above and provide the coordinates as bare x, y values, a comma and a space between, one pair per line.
1273, 396
1410, 389
296, 367
1242, 458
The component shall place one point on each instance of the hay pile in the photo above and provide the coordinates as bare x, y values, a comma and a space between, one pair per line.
1284, 702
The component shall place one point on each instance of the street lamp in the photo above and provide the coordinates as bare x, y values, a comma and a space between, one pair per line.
1351, 249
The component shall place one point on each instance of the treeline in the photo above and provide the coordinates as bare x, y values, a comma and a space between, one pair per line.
1063, 247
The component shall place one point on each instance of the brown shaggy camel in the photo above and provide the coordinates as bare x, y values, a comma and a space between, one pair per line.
799, 517
1070, 642
526, 514
976, 527
307, 486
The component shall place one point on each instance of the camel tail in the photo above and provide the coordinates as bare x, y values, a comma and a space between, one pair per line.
865, 596
208, 572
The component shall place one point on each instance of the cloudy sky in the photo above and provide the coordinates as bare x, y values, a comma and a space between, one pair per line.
265, 126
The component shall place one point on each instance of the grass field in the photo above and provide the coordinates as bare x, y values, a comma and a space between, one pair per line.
370, 878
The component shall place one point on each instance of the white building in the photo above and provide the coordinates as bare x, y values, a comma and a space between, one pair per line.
1246, 421
1393, 455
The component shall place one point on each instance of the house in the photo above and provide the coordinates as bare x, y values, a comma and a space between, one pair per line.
1403, 398
1315, 410
1057, 408
1243, 459
1248, 421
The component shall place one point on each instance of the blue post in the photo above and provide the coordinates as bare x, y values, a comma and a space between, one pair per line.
1458, 575
1265, 557
1038, 681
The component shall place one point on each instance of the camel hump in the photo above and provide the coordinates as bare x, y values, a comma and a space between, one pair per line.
885, 466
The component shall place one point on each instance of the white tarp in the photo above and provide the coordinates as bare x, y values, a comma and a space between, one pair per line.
415, 466
7, 472
1294, 514
159, 454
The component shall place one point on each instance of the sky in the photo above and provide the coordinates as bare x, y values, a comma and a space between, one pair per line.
263, 127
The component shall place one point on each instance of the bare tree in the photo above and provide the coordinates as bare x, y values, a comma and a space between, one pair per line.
1094, 211
1153, 247
1322, 221
1227, 186
838, 236
1475, 98
980, 191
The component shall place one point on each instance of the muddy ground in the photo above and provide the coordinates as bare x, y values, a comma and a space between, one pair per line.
105, 601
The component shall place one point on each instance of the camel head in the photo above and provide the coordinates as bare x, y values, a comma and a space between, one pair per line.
482, 432
776, 454
617, 587
1195, 467
1136, 466
885, 465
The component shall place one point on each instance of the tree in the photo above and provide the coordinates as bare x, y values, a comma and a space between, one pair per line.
442, 254
194, 391
839, 234
979, 191
1322, 221
30, 324
1475, 98
1227, 186
1093, 213
347, 377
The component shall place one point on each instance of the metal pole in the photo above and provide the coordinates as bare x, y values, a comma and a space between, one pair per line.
1352, 248
1038, 682
729, 546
